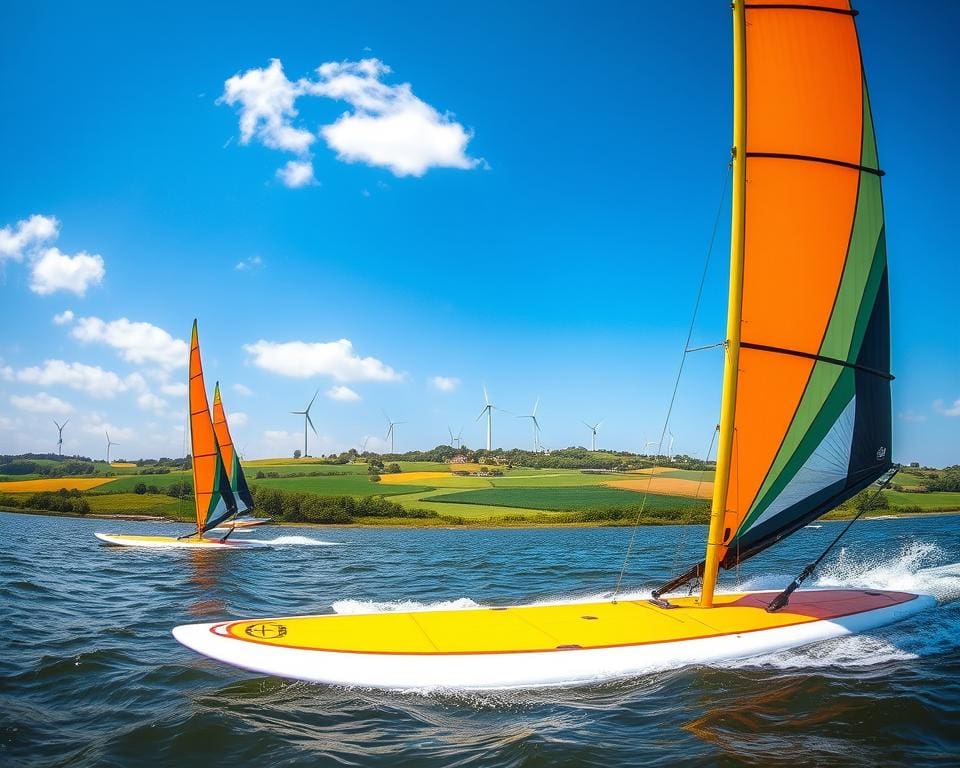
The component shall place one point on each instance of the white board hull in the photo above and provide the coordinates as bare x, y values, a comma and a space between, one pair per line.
504, 670
169, 542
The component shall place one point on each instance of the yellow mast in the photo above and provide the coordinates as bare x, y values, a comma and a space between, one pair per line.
728, 401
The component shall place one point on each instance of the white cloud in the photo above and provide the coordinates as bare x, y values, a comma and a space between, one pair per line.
343, 394
95, 424
266, 101
6, 373
237, 419
63, 318
135, 342
947, 410
297, 173
389, 127
6, 423
151, 402
174, 390
40, 403
250, 264
240, 389
56, 271
92, 379
28, 234
445, 383
301, 359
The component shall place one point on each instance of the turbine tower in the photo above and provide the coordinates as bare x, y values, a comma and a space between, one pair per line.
488, 409
110, 444
536, 425
593, 433
391, 430
307, 420
363, 445
60, 439
455, 439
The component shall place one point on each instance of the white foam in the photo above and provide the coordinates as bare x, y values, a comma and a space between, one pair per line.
402, 606
303, 541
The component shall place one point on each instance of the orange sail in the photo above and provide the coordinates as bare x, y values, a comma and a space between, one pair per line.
214, 500
811, 419
238, 481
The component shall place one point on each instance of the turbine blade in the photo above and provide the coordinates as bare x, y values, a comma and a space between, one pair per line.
313, 398
482, 413
310, 422
486, 399
536, 405
598, 424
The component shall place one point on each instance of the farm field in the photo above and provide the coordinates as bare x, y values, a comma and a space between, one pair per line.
564, 498
675, 486
53, 484
127, 483
935, 500
337, 485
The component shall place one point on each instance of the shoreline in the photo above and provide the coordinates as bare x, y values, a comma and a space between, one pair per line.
479, 524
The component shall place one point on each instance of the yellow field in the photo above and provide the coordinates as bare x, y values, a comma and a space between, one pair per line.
672, 486
53, 484
412, 477
650, 471
122, 464
471, 467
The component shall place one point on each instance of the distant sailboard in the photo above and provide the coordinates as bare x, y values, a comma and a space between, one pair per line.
214, 498
805, 419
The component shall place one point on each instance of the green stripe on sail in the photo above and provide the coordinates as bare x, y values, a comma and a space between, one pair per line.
857, 293
840, 395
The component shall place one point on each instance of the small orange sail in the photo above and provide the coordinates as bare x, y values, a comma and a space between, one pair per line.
215, 501
238, 481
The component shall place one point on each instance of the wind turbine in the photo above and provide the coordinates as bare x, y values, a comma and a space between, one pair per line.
670, 449
60, 440
363, 445
307, 420
593, 433
488, 409
536, 425
455, 440
391, 429
110, 444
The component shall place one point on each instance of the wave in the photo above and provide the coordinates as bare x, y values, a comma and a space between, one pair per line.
303, 541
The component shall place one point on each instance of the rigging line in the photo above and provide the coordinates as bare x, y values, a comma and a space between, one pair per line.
784, 597
724, 183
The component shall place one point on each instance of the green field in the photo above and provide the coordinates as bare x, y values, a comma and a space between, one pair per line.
338, 485
941, 501
127, 483
566, 498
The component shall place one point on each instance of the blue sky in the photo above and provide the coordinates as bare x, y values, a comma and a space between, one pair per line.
540, 224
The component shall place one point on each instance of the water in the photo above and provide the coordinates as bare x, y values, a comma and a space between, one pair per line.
90, 675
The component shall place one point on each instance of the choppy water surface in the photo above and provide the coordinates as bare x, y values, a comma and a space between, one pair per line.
90, 675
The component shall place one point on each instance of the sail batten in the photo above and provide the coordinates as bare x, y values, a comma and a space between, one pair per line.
811, 403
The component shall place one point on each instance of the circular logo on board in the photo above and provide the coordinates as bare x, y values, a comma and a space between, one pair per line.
267, 630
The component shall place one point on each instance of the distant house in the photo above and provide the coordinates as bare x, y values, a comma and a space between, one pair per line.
459, 459
914, 463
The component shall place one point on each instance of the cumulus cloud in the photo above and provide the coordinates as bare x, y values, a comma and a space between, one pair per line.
56, 271
243, 390
237, 419
265, 99
947, 410
26, 235
50, 269
302, 359
297, 173
174, 389
151, 402
63, 318
40, 403
444, 383
92, 379
135, 342
387, 126
342, 394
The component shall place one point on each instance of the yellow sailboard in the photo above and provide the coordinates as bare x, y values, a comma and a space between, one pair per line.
805, 413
